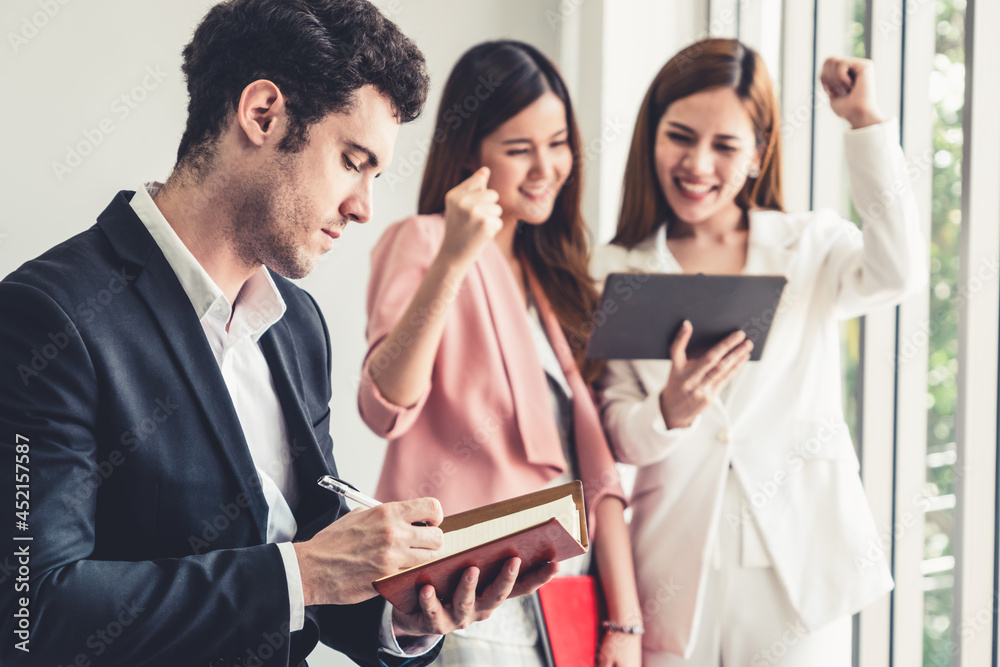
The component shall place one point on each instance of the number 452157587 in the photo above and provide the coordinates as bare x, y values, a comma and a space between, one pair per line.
21, 478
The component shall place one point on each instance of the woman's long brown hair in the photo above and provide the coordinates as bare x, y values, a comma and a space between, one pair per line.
709, 63
490, 84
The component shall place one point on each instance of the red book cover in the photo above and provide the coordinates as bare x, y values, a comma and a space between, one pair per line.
539, 544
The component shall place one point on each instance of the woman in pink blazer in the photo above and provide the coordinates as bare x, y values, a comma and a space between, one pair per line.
469, 373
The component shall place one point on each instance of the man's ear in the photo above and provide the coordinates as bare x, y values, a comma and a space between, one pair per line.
261, 112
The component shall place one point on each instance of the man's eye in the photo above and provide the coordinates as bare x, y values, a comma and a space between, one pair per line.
350, 165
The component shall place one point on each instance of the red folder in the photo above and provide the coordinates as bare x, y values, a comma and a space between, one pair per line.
539, 544
569, 605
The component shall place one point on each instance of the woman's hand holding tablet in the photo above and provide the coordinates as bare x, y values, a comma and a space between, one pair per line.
694, 383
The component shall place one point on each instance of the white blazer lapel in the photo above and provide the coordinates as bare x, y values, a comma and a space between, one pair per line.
769, 250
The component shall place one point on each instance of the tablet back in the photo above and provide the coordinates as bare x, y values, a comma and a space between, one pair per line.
640, 313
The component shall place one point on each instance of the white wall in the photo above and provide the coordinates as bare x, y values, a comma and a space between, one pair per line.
611, 50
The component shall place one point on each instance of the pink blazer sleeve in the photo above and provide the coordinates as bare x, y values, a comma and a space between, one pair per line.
398, 264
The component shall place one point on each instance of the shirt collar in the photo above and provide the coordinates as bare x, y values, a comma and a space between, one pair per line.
258, 305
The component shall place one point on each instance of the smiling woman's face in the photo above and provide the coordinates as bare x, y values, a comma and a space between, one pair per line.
705, 148
529, 159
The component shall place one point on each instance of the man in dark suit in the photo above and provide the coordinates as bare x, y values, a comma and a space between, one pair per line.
164, 391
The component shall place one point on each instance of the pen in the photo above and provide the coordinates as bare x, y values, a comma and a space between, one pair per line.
347, 490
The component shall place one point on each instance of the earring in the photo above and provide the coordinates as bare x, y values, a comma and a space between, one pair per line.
754, 171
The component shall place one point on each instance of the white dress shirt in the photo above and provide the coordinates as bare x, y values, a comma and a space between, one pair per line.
251, 387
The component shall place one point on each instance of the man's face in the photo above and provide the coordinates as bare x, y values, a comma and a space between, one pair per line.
291, 206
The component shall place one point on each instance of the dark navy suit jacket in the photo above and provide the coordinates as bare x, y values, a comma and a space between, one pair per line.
147, 520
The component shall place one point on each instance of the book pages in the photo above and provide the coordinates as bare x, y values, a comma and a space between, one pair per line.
564, 510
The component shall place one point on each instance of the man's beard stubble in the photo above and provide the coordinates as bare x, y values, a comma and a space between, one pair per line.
266, 218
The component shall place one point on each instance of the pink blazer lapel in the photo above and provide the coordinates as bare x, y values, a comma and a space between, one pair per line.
530, 391
596, 464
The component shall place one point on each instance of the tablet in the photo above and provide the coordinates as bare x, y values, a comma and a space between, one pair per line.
640, 313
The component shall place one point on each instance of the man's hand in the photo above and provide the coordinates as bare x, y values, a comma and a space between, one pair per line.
340, 563
435, 618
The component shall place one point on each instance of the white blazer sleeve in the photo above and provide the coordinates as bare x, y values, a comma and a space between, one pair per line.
631, 414
887, 260
632, 417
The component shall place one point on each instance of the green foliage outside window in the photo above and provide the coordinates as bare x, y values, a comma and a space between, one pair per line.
946, 95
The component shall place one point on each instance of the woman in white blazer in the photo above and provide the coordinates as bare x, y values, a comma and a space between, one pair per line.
752, 537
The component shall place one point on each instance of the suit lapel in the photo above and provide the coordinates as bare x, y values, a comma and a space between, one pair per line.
157, 284
278, 345
532, 406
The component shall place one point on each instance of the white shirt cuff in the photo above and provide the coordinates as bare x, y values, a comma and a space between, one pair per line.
296, 598
414, 645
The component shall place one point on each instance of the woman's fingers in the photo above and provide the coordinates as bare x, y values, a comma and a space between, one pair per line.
828, 77
844, 73
728, 367
839, 75
678, 349
712, 358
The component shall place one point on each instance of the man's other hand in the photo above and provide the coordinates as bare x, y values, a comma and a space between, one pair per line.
465, 608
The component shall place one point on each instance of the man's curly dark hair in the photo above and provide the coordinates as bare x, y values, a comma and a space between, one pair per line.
318, 53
